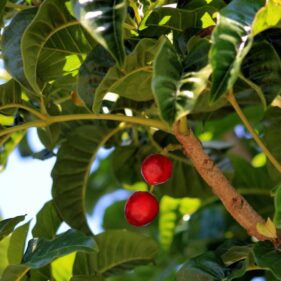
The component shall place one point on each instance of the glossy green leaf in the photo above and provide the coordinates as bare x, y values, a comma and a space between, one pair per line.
175, 92
91, 73
47, 222
263, 67
235, 254
231, 41
11, 45
14, 272
40, 252
57, 47
128, 250
10, 93
268, 17
179, 19
17, 244
137, 70
7, 226
71, 171
104, 20
277, 205
267, 256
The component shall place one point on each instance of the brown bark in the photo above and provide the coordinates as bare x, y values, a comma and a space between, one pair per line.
235, 203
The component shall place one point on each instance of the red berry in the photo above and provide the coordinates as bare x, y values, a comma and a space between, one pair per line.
156, 169
141, 208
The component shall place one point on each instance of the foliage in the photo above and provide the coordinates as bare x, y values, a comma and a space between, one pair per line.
119, 75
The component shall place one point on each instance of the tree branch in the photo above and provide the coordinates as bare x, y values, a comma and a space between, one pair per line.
235, 203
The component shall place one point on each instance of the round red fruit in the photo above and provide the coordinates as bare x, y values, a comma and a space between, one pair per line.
156, 169
141, 208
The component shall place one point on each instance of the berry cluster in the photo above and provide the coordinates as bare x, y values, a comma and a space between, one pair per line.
142, 207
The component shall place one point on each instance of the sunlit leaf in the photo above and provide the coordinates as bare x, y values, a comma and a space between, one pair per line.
17, 244
268, 17
137, 70
104, 20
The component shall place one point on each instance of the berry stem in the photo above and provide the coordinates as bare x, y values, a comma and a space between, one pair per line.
235, 203
151, 188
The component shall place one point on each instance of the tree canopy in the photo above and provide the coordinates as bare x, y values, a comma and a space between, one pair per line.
198, 81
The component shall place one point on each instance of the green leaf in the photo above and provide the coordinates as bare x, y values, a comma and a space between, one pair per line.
2, 9
232, 39
17, 244
7, 226
91, 73
272, 137
206, 267
137, 70
57, 47
277, 205
235, 254
62, 267
104, 20
14, 272
4, 246
128, 250
263, 66
10, 93
71, 171
47, 222
86, 278
266, 255
175, 92
179, 19
40, 252
7, 146
11, 44
268, 17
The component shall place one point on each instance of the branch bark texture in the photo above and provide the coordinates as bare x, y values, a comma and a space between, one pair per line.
235, 203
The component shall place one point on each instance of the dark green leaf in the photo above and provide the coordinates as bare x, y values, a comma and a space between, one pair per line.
175, 92
10, 93
179, 19
91, 73
206, 267
104, 20
277, 205
268, 17
40, 252
17, 244
49, 135
235, 254
11, 45
7, 226
57, 47
86, 278
137, 70
71, 171
272, 137
195, 4
263, 66
128, 250
266, 255
2, 8
232, 39
47, 222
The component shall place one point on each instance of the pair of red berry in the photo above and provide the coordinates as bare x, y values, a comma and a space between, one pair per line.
142, 207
